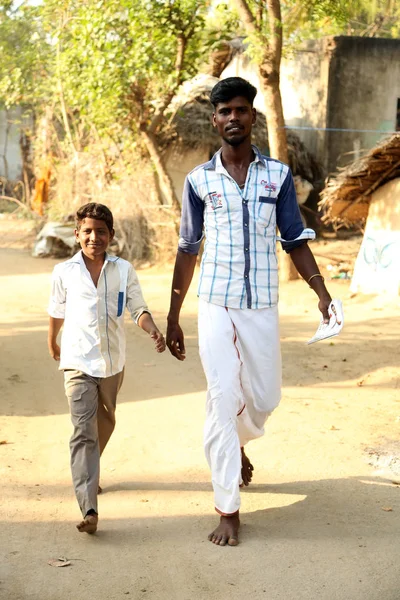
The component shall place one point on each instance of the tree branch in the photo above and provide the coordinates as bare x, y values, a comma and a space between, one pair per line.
275, 25
179, 62
247, 16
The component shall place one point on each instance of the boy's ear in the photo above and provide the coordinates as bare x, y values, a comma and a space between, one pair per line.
112, 233
76, 232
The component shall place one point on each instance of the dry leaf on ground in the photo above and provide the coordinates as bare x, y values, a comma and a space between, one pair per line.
387, 508
59, 562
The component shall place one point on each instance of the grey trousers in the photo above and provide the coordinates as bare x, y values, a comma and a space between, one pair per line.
92, 402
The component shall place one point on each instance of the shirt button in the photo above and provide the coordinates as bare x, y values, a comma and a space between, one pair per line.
246, 224
246, 276
246, 249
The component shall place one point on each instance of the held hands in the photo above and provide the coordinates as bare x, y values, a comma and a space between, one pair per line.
54, 349
175, 341
159, 341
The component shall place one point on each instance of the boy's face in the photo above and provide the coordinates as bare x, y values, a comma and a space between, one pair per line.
234, 120
94, 237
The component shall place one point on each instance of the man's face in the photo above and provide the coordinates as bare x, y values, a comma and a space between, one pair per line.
94, 237
234, 120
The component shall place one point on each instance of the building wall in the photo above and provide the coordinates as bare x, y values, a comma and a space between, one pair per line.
335, 82
377, 268
304, 104
10, 153
304, 86
179, 162
364, 86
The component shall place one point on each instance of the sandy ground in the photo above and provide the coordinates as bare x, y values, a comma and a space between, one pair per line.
321, 520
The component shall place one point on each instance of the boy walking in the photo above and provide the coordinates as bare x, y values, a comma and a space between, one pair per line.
89, 295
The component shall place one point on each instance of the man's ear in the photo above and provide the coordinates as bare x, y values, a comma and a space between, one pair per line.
213, 120
253, 110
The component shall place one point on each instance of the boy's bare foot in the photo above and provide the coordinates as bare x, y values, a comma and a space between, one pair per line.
247, 469
89, 524
227, 531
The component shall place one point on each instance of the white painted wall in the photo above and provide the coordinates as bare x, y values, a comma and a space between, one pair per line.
10, 154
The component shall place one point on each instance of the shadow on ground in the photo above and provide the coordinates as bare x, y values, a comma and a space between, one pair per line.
333, 544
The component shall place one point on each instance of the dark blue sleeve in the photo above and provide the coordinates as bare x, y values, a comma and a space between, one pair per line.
191, 230
288, 217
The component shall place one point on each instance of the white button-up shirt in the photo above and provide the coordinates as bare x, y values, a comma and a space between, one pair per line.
239, 267
93, 337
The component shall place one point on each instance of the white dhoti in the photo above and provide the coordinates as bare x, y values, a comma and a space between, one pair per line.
240, 353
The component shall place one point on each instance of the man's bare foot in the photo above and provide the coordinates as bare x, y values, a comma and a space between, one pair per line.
227, 531
247, 469
89, 524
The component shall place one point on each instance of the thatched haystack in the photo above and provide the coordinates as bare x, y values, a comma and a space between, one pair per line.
189, 127
346, 198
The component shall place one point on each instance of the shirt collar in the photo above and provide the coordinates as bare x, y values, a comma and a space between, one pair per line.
214, 163
78, 258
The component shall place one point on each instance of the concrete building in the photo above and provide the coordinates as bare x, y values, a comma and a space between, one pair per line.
340, 94
10, 152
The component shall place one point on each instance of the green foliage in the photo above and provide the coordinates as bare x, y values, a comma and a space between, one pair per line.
24, 51
112, 63
117, 60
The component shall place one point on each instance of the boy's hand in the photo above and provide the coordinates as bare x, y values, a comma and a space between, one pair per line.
54, 350
159, 340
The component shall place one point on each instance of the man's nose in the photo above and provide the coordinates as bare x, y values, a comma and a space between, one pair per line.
234, 116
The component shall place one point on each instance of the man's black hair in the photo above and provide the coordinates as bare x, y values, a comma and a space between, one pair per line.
227, 89
92, 210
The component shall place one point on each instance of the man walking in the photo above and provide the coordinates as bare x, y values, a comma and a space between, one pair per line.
238, 198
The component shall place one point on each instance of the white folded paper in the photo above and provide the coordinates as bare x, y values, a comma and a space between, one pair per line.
335, 325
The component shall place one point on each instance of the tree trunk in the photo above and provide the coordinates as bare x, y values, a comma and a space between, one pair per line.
275, 120
165, 182
269, 70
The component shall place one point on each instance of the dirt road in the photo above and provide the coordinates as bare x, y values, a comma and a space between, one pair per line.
319, 522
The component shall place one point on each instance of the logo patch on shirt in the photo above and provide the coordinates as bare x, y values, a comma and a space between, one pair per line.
215, 200
269, 186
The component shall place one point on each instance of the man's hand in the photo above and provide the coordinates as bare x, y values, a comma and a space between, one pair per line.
323, 306
175, 341
54, 349
159, 341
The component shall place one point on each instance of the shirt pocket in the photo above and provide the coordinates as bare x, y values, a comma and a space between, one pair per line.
266, 209
120, 307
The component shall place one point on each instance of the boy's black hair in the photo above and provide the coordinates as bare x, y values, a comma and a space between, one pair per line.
227, 89
92, 210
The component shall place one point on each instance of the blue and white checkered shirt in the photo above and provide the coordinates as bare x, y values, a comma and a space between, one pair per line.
239, 267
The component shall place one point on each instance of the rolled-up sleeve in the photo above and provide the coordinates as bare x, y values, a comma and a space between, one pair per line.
191, 231
288, 218
134, 298
58, 296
